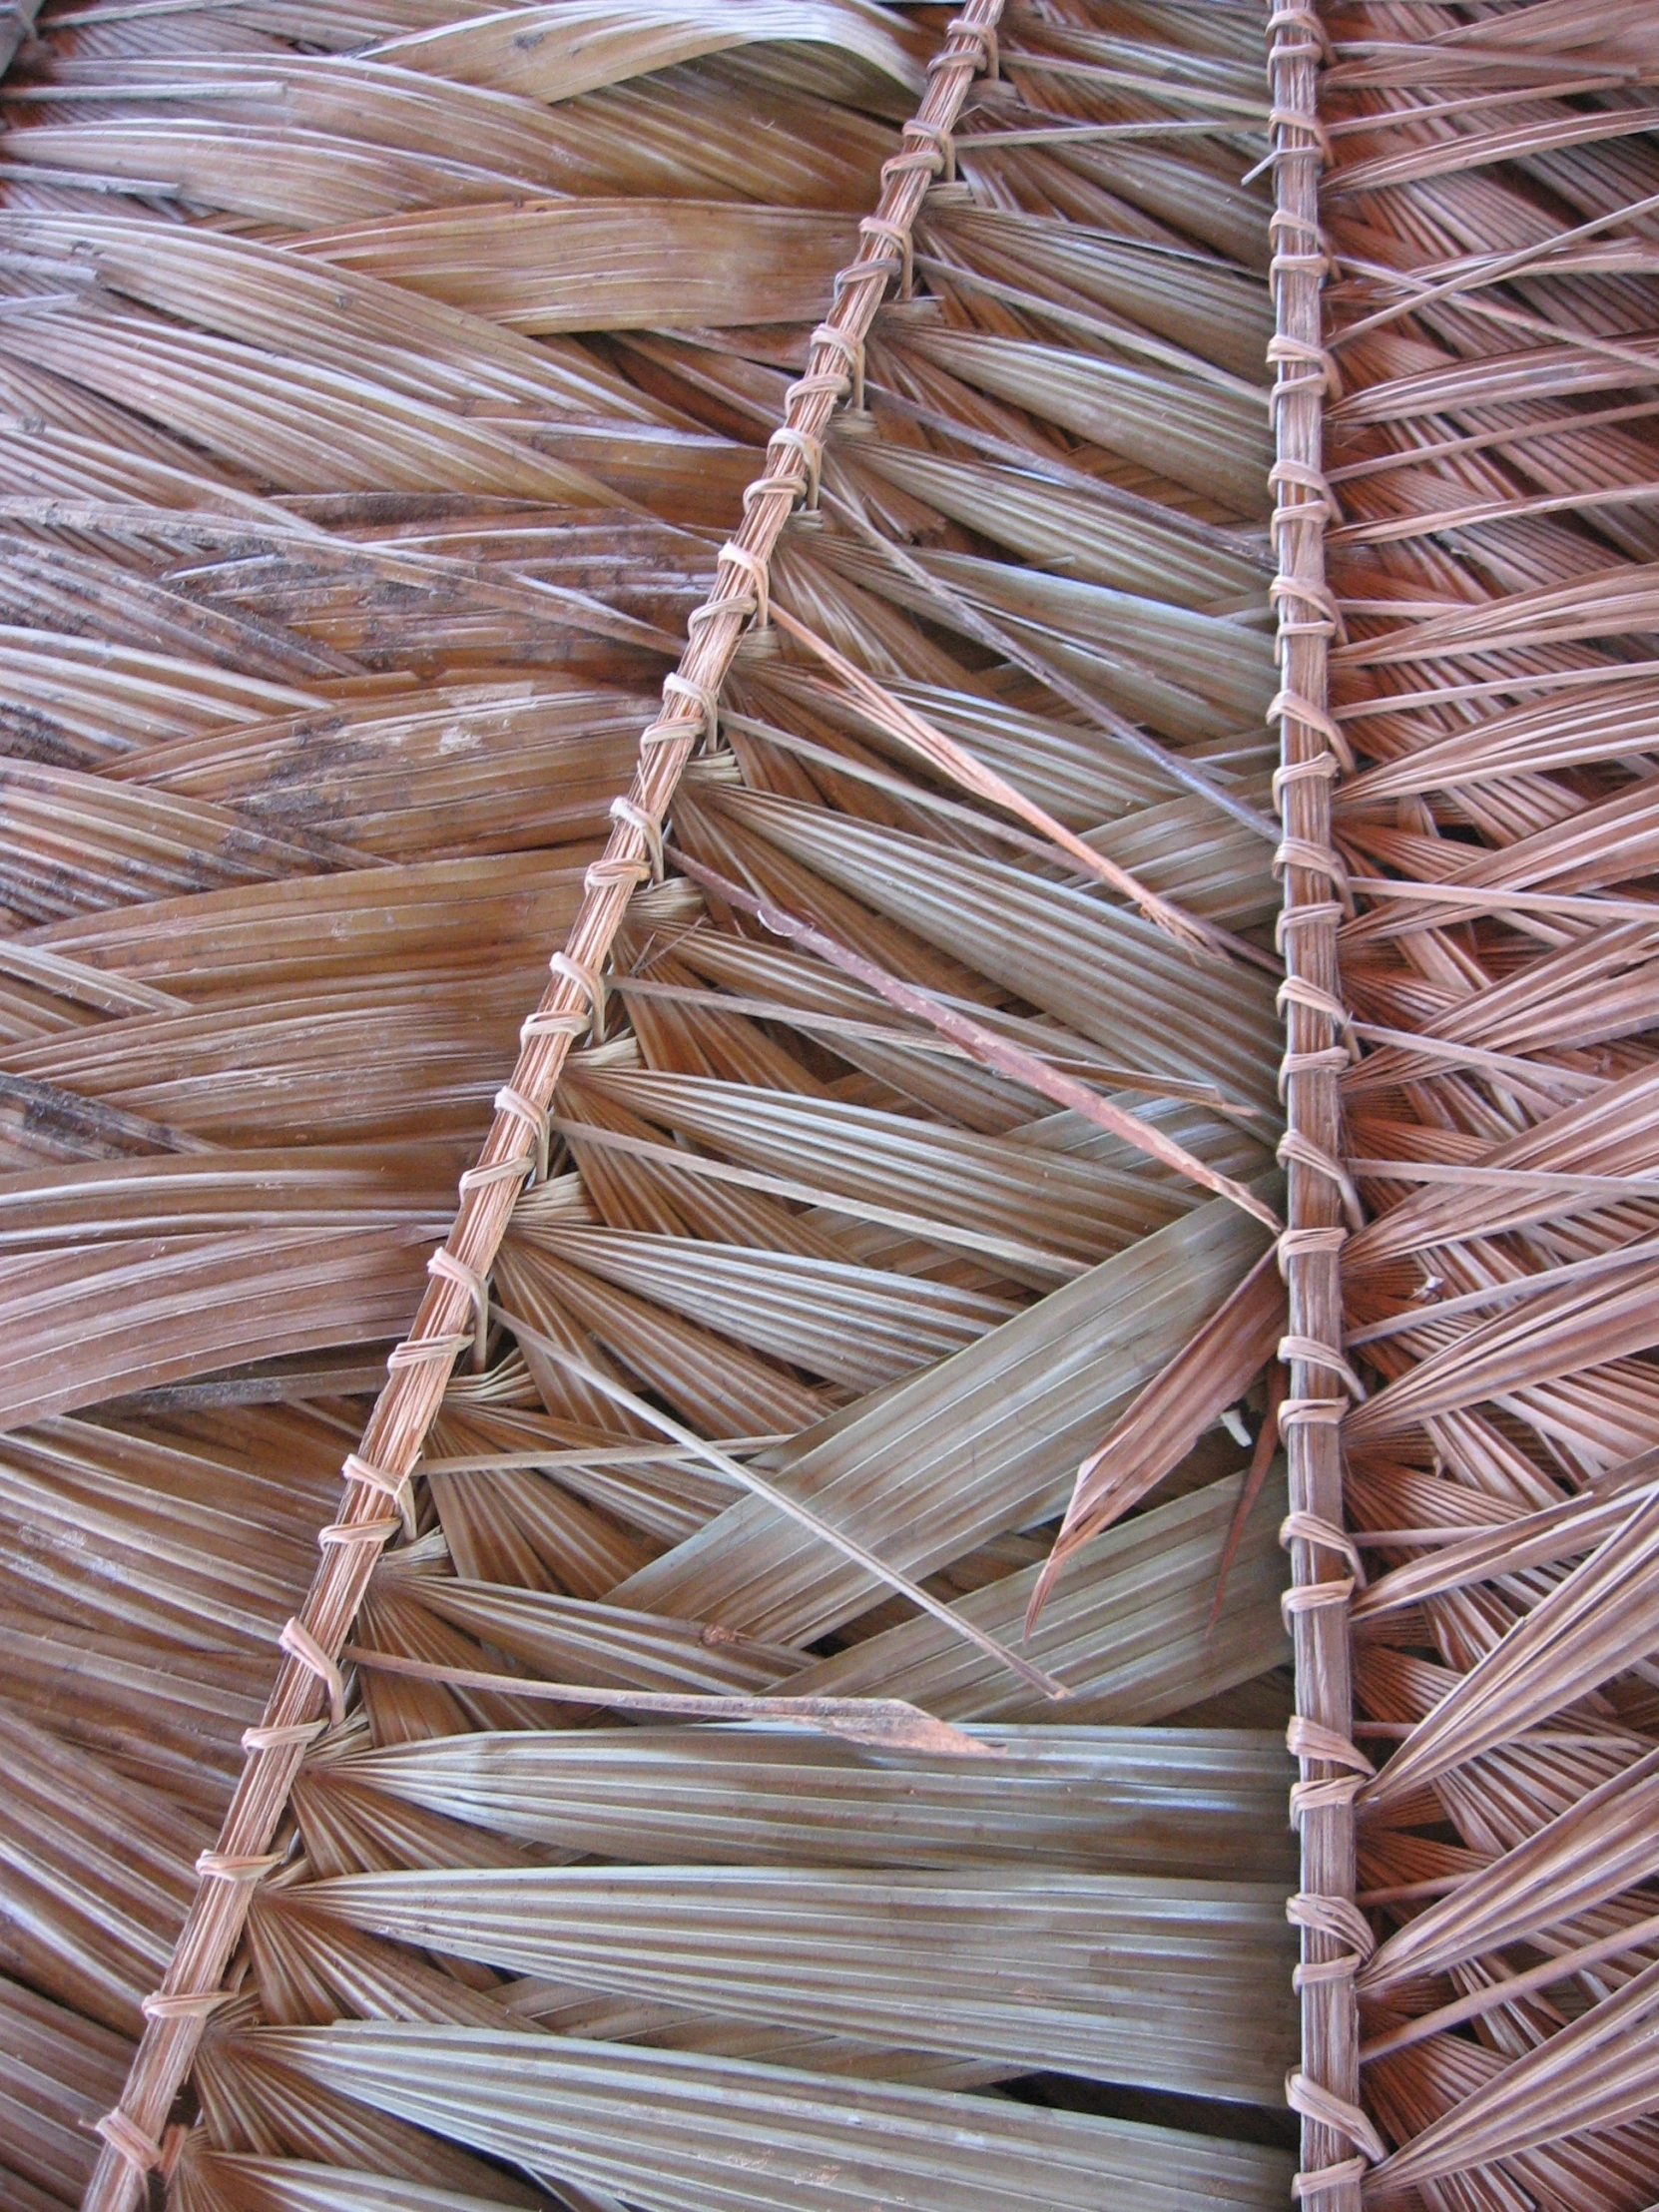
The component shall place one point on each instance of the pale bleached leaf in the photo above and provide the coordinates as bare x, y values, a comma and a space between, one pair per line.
561, 2102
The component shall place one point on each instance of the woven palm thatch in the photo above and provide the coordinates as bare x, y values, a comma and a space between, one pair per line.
660, 1802
1489, 177
730, 1756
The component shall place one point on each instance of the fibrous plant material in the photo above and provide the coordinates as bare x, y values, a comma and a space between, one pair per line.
1323, 1206
1487, 232
663, 1800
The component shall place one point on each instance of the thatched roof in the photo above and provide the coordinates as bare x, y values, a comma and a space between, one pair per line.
1094, 1066
1488, 213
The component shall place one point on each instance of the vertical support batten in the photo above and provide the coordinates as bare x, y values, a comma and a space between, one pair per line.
1336, 2138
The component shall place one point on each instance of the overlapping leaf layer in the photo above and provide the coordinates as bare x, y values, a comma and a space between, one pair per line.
379, 382
1491, 216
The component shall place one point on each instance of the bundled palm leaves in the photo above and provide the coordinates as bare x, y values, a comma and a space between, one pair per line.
729, 1801
700, 1822
1489, 214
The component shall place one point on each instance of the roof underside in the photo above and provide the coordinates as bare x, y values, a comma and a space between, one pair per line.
790, 1713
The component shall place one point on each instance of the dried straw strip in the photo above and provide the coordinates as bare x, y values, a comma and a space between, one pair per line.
445, 1323
1336, 2137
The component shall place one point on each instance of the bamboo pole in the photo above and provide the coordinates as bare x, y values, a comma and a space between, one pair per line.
1336, 2138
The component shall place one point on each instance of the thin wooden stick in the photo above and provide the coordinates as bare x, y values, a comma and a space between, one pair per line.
887, 1723
1336, 2137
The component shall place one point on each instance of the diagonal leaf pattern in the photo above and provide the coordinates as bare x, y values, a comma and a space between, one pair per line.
382, 382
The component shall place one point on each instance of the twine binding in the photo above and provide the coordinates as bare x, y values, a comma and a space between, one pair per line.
140, 2153
299, 1642
419, 1368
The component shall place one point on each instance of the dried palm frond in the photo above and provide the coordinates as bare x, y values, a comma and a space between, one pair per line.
390, 391
1484, 503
